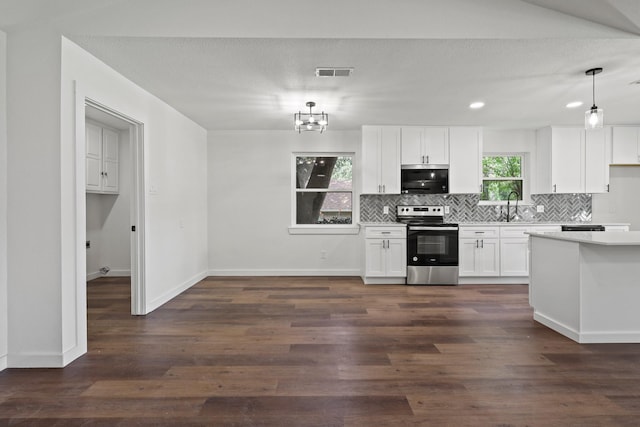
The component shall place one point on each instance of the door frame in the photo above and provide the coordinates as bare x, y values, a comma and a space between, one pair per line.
137, 202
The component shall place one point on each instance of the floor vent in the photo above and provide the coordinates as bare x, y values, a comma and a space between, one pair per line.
334, 71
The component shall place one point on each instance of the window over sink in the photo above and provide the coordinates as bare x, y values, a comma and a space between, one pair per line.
503, 174
322, 190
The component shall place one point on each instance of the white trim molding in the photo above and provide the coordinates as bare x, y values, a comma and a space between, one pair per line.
168, 296
287, 272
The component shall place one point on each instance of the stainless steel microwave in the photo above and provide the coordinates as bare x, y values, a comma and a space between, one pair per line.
424, 179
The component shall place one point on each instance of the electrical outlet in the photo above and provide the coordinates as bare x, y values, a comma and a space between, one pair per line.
385, 210
446, 209
540, 208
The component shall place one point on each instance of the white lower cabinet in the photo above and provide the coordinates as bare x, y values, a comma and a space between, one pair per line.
479, 257
479, 251
514, 251
498, 251
385, 254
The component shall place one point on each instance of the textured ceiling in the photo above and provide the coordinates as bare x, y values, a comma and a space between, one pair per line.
242, 64
259, 83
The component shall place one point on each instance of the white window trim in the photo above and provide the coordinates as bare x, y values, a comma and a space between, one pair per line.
525, 176
353, 228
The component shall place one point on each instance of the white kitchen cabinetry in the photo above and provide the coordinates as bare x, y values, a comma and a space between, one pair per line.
381, 160
425, 145
597, 160
479, 251
616, 228
465, 160
514, 251
560, 160
102, 161
626, 145
385, 253
573, 160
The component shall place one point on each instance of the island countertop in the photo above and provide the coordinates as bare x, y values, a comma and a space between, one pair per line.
606, 238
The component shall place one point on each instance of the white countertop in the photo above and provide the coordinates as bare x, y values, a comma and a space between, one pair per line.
611, 238
382, 224
534, 223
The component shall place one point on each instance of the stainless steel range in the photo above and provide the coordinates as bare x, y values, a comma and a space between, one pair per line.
432, 246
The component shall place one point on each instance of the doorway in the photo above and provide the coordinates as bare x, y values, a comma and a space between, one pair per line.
114, 201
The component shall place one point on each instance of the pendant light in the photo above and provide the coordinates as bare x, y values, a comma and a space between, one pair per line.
309, 121
594, 117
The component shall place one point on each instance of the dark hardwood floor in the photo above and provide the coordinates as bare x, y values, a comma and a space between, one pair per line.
327, 352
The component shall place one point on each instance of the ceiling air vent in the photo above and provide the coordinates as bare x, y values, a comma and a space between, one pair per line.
334, 71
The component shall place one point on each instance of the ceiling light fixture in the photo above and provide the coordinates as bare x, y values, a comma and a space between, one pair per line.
593, 117
309, 121
476, 105
574, 104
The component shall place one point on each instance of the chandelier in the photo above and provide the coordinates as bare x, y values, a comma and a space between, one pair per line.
310, 121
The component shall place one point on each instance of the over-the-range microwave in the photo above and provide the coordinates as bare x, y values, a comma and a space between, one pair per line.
424, 179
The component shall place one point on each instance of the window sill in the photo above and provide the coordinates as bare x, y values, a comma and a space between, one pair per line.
324, 229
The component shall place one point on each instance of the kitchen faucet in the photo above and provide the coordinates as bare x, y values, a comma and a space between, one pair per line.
508, 204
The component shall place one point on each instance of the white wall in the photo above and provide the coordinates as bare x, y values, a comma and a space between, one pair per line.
109, 222
250, 206
46, 200
33, 205
622, 203
3, 201
175, 173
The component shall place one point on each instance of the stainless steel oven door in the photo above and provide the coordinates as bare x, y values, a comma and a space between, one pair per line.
432, 246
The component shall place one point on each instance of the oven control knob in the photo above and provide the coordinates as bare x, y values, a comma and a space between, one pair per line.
415, 258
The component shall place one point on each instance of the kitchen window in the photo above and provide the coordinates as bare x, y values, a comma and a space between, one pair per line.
322, 192
503, 174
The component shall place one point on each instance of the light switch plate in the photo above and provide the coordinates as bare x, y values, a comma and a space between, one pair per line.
446, 209
540, 208
385, 210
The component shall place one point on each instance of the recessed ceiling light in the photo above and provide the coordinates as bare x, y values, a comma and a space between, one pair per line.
574, 104
476, 105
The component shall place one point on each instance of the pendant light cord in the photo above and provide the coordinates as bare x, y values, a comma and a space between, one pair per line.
594, 88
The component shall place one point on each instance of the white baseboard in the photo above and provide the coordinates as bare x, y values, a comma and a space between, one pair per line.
560, 328
288, 272
35, 360
111, 273
384, 280
169, 295
493, 280
43, 360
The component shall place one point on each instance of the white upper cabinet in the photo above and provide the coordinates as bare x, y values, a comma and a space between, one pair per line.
572, 160
102, 159
465, 159
381, 159
597, 159
560, 160
626, 145
425, 145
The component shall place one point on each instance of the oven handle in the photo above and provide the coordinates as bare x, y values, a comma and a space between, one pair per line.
433, 228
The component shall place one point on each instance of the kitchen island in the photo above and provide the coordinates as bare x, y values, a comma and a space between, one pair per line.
586, 285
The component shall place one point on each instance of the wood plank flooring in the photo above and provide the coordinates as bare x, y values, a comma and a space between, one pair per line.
327, 352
